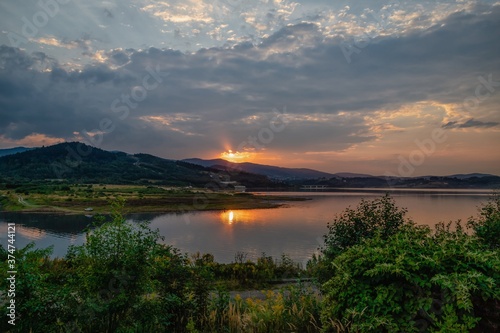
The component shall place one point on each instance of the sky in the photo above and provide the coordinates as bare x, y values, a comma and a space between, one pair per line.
401, 88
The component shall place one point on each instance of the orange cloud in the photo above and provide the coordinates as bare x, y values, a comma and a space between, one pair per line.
32, 140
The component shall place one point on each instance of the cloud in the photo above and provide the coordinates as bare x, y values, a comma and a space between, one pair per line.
32, 140
471, 123
219, 96
55, 42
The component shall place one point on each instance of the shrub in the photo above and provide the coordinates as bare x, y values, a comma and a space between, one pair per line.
487, 225
414, 281
380, 216
113, 272
40, 291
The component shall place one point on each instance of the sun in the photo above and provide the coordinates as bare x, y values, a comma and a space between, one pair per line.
235, 156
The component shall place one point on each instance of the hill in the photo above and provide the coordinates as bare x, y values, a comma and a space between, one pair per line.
10, 151
298, 177
471, 175
428, 182
270, 171
77, 162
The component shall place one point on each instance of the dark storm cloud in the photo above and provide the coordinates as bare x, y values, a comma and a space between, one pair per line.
227, 94
14, 59
119, 57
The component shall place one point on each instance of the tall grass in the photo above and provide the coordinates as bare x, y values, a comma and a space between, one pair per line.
290, 309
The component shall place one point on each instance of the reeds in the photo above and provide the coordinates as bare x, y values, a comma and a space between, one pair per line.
291, 309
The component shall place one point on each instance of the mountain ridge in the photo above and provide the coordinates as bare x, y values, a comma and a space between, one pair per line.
271, 171
77, 162
14, 150
247, 166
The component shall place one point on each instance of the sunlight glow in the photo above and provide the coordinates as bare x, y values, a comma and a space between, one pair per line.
233, 217
236, 156
228, 217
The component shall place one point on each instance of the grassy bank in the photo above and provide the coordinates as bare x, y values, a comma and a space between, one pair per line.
89, 199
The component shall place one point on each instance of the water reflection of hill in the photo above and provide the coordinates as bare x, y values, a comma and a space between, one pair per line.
63, 225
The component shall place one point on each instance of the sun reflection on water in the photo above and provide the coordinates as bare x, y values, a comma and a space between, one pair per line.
230, 217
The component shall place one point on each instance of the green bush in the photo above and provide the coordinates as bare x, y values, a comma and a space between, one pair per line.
379, 217
487, 225
113, 272
40, 291
414, 281
384, 274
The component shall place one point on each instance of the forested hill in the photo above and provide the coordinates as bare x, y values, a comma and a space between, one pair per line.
77, 162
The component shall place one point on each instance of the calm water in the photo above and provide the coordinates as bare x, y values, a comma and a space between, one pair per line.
295, 229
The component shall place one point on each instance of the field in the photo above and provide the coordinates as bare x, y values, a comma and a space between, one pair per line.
95, 198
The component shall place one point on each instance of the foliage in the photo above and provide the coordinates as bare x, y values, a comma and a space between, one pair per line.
292, 309
487, 225
379, 217
414, 281
385, 275
123, 280
248, 274
114, 271
40, 289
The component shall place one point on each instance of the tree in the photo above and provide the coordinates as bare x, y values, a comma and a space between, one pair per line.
113, 270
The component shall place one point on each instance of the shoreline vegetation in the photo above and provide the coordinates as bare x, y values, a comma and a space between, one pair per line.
377, 271
94, 199
91, 199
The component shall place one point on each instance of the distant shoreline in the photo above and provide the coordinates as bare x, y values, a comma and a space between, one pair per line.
97, 200
443, 190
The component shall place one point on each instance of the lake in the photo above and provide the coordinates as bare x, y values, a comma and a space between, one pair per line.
295, 229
